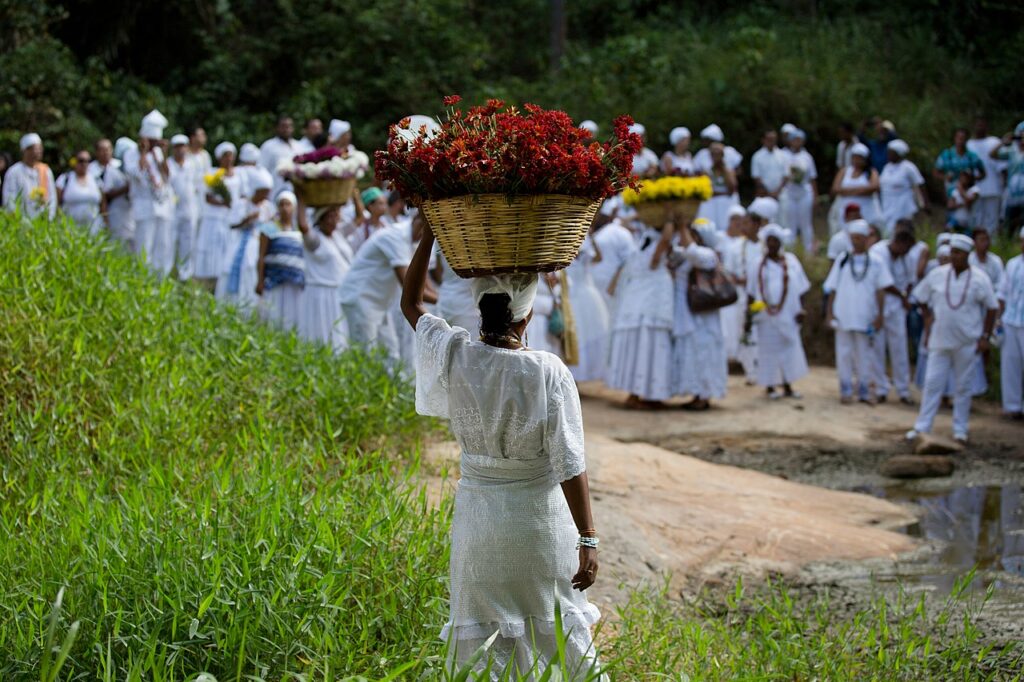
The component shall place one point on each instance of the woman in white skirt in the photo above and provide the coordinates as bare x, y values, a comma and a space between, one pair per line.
80, 196
237, 284
593, 323
282, 267
328, 257
700, 367
641, 340
216, 221
523, 540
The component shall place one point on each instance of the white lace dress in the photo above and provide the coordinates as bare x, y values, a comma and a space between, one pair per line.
516, 415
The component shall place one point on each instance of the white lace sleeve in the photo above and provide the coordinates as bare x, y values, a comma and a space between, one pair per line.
434, 340
563, 437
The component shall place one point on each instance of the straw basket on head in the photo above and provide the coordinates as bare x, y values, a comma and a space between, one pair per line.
490, 234
657, 213
324, 191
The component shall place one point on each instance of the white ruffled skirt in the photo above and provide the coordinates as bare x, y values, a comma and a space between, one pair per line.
700, 365
640, 362
320, 317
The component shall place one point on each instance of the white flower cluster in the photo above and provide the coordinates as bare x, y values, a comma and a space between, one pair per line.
352, 166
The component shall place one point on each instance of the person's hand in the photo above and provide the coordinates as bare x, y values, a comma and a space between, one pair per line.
906, 301
983, 345
587, 574
879, 323
259, 288
143, 145
830, 321
800, 315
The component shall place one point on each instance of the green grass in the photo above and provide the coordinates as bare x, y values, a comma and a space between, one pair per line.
199, 494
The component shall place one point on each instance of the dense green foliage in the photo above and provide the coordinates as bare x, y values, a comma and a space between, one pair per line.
213, 496
73, 70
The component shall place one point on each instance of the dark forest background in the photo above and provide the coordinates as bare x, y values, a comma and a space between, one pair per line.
76, 70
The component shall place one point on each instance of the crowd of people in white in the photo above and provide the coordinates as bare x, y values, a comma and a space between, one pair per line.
334, 275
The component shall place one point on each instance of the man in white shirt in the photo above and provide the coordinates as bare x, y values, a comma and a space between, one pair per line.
768, 166
29, 184
314, 128
184, 168
892, 335
858, 283
645, 162
151, 193
277, 149
990, 263
1011, 314
960, 311
985, 211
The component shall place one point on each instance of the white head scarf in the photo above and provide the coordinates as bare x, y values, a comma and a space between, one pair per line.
764, 207
860, 149
260, 178
961, 242
337, 128
787, 128
773, 230
705, 258
179, 139
638, 129
678, 135
288, 196
30, 140
122, 146
590, 127
520, 288
249, 153
943, 238
707, 230
713, 133
736, 211
858, 226
942, 251
797, 134
153, 125
900, 147
224, 148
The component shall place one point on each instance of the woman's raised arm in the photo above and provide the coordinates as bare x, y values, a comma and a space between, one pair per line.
416, 279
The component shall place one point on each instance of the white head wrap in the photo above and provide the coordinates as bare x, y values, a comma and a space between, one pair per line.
707, 231
858, 226
321, 212
224, 148
943, 238
787, 128
30, 140
889, 125
942, 251
773, 230
764, 207
589, 126
900, 147
961, 242
153, 125
704, 258
638, 129
521, 290
860, 149
797, 134
249, 153
337, 128
713, 133
179, 139
260, 178
678, 134
123, 146
736, 211
285, 195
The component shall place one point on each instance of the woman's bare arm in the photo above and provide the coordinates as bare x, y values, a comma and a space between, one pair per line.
416, 279
577, 495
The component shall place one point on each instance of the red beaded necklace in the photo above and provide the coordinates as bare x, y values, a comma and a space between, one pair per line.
777, 308
963, 296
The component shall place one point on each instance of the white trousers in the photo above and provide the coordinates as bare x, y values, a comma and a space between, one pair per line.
854, 356
1011, 368
185, 232
154, 239
798, 216
959, 362
893, 338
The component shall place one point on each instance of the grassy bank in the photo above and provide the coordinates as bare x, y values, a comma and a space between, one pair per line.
215, 497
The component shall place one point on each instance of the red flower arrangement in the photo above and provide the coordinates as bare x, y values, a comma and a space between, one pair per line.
497, 149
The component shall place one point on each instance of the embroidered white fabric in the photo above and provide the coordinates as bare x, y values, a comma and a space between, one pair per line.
516, 414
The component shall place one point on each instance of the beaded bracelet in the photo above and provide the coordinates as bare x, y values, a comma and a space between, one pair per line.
590, 542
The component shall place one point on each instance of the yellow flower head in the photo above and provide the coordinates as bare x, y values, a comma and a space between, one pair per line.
37, 194
757, 306
669, 188
214, 178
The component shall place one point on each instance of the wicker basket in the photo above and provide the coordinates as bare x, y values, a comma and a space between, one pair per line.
657, 213
324, 191
488, 234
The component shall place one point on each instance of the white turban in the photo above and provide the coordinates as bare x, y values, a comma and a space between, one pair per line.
260, 178
223, 148
521, 290
678, 135
249, 153
337, 128
288, 196
713, 133
943, 238
942, 251
321, 212
590, 127
704, 258
30, 140
123, 146
773, 230
638, 129
961, 242
788, 128
764, 207
860, 149
153, 125
900, 147
179, 139
736, 211
858, 226
707, 230
797, 134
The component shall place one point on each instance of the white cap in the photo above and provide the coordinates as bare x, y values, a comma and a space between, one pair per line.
678, 134
860, 149
589, 126
707, 231
764, 207
638, 129
285, 195
30, 140
704, 257
736, 211
223, 148
713, 133
900, 147
337, 128
797, 134
787, 128
961, 242
179, 139
773, 230
153, 125
942, 251
260, 178
859, 226
249, 153
943, 238
123, 146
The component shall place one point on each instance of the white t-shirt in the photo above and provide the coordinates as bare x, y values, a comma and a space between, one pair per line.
959, 304
801, 170
770, 167
993, 266
19, 181
329, 261
371, 281
843, 155
992, 184
897, 182
854, 280
644, 161
702, 159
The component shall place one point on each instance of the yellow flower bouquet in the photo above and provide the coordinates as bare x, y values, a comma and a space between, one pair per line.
662, 199
37, 195
217, 187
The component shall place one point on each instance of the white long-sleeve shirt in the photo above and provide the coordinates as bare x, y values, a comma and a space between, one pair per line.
20, 181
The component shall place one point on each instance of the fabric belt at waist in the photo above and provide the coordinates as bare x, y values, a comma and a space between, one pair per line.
483, 470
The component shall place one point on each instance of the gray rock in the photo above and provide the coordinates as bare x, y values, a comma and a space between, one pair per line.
917, 466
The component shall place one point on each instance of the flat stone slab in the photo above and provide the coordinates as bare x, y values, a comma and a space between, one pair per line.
929, 444
918, 466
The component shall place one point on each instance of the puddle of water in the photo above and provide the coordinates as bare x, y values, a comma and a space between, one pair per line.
979, 526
